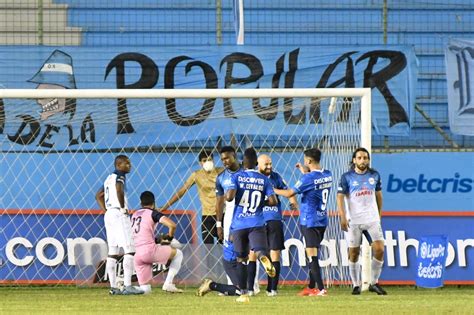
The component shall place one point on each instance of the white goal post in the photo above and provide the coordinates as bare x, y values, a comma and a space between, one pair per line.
57, 173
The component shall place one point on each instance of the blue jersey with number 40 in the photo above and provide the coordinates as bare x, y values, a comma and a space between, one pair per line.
251, 188
315, 187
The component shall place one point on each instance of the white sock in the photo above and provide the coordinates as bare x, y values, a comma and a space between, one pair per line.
111, 269
127, 270
146, 288
174, 267
354, 271
376, 270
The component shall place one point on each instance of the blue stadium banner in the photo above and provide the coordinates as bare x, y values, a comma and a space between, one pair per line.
460, 78
391, 72
432, 253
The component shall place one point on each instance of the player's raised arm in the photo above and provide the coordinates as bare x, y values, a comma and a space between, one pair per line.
288, 193
99, 197
180, 193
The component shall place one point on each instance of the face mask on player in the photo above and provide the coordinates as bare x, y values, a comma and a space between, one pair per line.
208, 166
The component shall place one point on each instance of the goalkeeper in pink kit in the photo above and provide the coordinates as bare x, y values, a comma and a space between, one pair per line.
144, 222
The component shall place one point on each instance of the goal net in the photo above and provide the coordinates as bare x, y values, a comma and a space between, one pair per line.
58, 146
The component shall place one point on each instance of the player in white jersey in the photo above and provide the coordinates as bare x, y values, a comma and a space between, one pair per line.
359, 203
112, 199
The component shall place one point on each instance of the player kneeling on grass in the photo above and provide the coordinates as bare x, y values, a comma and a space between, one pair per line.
144, 222
230, 268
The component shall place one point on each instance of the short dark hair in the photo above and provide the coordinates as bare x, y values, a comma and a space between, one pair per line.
227, 148
204, 154
120, 157
250, 155
314, 154
147, 198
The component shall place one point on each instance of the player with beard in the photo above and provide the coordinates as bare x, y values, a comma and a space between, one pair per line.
359, 203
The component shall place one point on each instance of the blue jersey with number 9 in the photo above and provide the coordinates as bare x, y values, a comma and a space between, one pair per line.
315, 187
251, 189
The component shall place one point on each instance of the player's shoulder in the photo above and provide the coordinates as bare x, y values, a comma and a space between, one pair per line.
348, 173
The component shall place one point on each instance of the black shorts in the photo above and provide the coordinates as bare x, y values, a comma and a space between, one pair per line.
230, 268
249, 239
276, 239
313, 236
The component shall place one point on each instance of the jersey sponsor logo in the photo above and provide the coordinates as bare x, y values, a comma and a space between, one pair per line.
323, 180
364, 192
424, 184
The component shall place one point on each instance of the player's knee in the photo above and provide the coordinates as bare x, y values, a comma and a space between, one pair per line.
354, 254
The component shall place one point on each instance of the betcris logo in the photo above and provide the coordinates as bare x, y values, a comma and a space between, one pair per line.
425, 184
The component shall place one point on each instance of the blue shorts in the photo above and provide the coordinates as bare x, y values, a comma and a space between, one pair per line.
230, 268
313, 236
276, 240
249, 239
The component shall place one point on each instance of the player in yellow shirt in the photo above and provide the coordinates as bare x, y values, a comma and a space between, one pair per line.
205, 180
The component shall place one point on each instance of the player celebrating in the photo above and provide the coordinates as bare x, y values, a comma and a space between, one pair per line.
315, 186
249, 189
144, 222
359, 203
273, 221
113, 200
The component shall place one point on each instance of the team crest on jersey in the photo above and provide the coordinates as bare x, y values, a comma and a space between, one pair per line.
371, 180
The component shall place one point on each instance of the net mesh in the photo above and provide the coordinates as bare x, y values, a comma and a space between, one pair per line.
57, 153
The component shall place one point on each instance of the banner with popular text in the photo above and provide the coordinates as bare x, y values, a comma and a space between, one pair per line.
390, 71
460, 78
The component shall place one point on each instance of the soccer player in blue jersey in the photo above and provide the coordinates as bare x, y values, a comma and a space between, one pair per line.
230, 267
250, 188
315, 186
232, 166
359, 203
274, 221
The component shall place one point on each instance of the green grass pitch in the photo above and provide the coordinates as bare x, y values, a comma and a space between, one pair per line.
400, 300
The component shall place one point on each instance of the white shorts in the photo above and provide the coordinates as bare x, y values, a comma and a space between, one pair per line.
228, 214
118, 229
372, 231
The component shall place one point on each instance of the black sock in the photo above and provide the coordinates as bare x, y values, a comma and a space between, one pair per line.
277, 266
312, 282
226, 289
242, 272
251, 273
316, 271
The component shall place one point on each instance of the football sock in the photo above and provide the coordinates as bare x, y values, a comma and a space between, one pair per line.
111, 268
242, 272
354, 271
274, 282
174, 267
316, 271
127, 269
251, 272
312, 281
224, 288
376, 270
